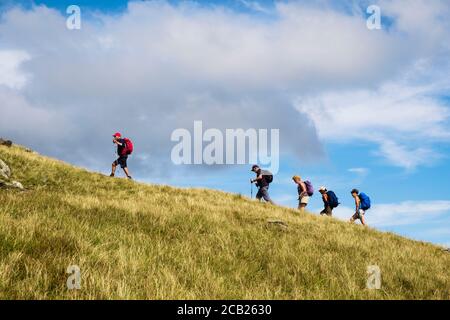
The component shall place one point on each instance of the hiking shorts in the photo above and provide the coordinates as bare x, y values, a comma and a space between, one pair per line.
359, 214
263, 192
303, 200
122, 161
327, 210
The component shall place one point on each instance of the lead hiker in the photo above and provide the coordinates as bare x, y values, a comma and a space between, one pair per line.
305, 190
263, 179
362, 204
330, 201
124, 149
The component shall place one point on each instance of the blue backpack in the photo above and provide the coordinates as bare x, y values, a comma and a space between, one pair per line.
333, 201
365, 201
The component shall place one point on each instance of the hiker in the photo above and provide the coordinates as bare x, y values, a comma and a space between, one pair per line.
263, 179
362, 204
305, 190
124, 149
330, 201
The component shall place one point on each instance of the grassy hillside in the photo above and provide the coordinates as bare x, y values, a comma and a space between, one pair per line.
133, 240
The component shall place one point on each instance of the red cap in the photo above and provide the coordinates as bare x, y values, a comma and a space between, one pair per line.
117, 135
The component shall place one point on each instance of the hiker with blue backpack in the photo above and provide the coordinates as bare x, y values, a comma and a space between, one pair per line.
362, 204
330, 201
305, 190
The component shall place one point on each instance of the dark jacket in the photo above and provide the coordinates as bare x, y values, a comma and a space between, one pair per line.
121, 148
263, 182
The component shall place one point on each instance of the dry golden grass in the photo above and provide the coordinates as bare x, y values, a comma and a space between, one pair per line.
134, 240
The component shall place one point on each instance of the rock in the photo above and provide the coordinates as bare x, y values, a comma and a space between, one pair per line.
5, 172
7, 143
5, 176
12, 185
17, 185
278, 222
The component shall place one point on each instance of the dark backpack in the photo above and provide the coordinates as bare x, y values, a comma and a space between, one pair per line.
333, 201
364, 201
268, 176
128, 147
309, 188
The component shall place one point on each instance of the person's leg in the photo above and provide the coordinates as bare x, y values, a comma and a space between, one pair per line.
113, 168
361, 217
127, 172
353, 218
123, 164
329, 211
265, 195
363, 221
259, 195
303, 203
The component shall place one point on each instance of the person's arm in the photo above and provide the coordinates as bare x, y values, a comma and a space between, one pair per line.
259, 177
325, 198
117, 142
357, 203
303, 187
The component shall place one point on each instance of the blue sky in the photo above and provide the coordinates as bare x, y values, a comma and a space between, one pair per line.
355, 108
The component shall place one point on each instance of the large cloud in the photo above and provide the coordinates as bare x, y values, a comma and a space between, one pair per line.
158, 67
408, 114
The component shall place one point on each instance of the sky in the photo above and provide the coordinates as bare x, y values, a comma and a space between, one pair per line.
355, 108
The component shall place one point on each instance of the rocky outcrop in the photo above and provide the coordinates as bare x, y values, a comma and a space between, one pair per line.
5, 177
7, 143
5, 172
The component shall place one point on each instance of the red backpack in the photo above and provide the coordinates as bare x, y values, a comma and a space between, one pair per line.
128, 147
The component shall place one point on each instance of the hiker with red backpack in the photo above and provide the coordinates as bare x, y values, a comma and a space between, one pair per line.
362, 204
124, 149
263, 179
330, 201
305, 190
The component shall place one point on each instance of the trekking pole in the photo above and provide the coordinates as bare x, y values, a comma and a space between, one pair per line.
251, 190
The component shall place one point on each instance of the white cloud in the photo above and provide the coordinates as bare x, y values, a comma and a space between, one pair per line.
408, 158
396, 107
408, 212
23, 120
418, 16
10, 74
399, 214
402, 119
